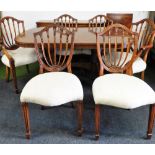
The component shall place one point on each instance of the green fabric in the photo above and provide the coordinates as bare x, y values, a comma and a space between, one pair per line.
20, 71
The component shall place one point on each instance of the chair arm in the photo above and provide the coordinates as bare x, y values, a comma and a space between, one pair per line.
5, 52
144, 49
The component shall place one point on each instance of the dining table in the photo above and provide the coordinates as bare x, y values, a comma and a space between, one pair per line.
84, 39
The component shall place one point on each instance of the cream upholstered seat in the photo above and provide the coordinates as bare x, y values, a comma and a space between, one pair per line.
82, 51
21, 56
77, 52
138, 66
52, 89
123, 91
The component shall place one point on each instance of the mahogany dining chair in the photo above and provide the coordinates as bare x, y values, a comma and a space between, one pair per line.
13, 55
120, 89
146, 33
53, 86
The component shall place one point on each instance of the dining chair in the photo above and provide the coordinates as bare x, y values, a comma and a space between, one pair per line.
98, 23
146, 33
13, 55
67, 21
117, 89
71, 24
53, 87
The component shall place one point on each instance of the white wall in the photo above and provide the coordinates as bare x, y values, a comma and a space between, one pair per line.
30, 17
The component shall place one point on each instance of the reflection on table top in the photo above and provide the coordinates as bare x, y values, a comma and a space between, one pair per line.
83, 38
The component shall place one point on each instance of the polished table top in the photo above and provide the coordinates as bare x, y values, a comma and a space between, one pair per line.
83, 38
43, 23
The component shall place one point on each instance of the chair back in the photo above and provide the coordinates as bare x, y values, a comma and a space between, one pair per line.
99, 23
146, 32
10, 28
113, 49
67, 21
54, 46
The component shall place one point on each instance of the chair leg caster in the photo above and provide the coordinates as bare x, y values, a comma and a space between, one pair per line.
28, 135
97, 137
149, 136
80, 132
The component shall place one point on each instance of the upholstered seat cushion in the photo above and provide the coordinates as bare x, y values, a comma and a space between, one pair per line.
52, 89
77, 52
138, 66
123, 91
82, 51
21, 56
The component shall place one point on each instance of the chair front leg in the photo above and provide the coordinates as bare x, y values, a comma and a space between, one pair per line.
13, 73
25, 110
7, 73
151, 121
80, 117
97, 120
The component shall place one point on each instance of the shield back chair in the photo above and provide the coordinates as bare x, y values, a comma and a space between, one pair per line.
117, 89
53, 87
13, 55
146, 32
99, 23
67, 21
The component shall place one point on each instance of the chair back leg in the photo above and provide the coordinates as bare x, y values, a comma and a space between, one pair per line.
97, 120
80, 117
151, 121
28, 69
143, 75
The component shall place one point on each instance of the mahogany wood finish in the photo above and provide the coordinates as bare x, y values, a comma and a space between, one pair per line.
151, 121
146, 33
97, 120
67, 21
80, 117
47, 50
44, 23
116, 38
25, 110
10, 29
108, 54
55, 56
99, 23
124, 19
80, 41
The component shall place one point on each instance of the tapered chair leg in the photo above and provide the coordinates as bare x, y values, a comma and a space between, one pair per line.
143, 75
97, 121
151, 121
25, 110
7, 74
27, 68
80, 117
13, 73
